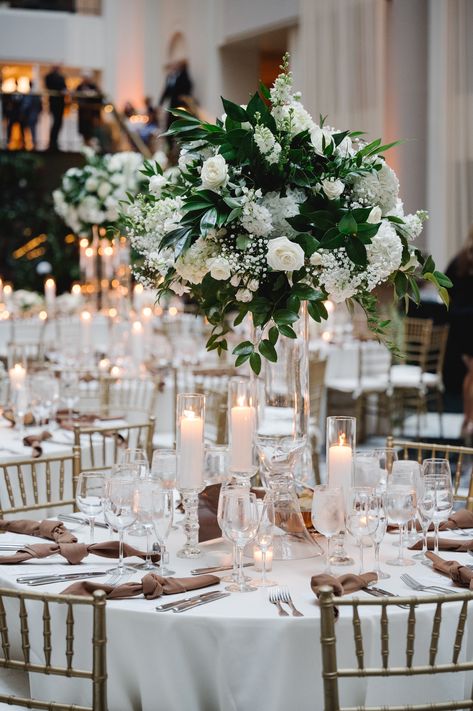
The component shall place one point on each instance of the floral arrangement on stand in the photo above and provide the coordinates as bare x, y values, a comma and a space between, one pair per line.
26, 303
269, 209
90, 196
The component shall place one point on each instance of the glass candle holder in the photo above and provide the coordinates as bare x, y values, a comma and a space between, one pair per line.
340, 450
242, 422
190, 415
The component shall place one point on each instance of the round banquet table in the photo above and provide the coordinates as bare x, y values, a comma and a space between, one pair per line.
237, 654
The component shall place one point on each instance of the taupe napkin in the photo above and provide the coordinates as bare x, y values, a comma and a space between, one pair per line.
457, 572
53, 530
34, 441
446, 544
73, 552
344, 584
460, 519
151, 586
10, 417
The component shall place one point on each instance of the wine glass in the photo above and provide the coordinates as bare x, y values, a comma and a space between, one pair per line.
410, 472
425, 512
385, 458
143, 508
163, 467
20, 399
89, 497
44, 395
216, 461
439, 471
139, 460
378, 534
162, 513
119, 512
328, 515
401, 504
226, 490
69, 390
264, 537
362, 516
240, 524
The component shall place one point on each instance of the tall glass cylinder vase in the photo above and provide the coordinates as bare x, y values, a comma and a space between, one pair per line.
281, 436
190, 414
340, 451
241, 428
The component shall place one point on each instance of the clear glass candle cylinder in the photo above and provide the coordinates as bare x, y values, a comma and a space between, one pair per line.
241, 425
341, 444
190, 416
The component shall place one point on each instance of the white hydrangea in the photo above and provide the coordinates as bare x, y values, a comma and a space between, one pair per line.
256, 219
384, 254
282, 207
89, 211
380, 187
412, 226
267, 144
192, 266
111, 212
156, 184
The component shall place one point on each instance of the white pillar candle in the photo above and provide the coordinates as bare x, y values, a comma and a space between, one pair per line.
8, 296
191, 452
76, 290
17, 376
340, 464
85, 329
137, 297
242, 423
137, 342
89, 267
50, 295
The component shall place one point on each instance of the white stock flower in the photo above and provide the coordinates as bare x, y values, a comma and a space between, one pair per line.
219, 269
156, 184
333, 188
375, 215
318, 137
284, 255
214, 173
244, 295
103, 190
91, 184
267, 144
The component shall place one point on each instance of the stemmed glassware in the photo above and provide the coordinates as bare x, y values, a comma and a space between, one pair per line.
20, 399
226, 490
119, 511
328, 508
362, 516
69, 389
90, 496
378, 534
143, 507
164, 469
401, 504
138, 459
240, 525
438, 479
425, 513
264, 538
163, 510
216, 462
44, 390
409, 470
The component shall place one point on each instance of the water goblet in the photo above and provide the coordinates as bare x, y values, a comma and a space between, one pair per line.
139, 459
162, 515
143, 508
408, 471
401, 504
226, 490
89, 497
361, 517
216, 461
439, 481
425, 513
119, 512
164, 469
378, 534
328, 515
240, 524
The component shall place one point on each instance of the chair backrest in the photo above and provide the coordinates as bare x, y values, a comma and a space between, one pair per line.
136, 393
460, 458
410, 660
32, 353
437, 349
375, 360
100, 446
37, 620
213, 383
416, 339
36, 484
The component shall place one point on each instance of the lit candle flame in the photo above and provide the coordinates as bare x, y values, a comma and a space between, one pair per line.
342, 439
189, 414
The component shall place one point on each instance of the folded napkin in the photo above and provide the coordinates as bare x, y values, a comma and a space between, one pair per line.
34, 441
344, 584
151, 586
73, 552
460, 574
10, 417
446, 544
53, 530
460, 519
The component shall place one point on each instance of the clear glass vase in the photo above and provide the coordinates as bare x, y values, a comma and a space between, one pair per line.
281, 436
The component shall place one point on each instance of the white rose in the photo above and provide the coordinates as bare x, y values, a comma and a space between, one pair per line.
235, 280
317, 136
156, 183
284, 255
103, 190
333, 188
219, 269
375, 216
316, 259
244, 295
214, 173
91, 185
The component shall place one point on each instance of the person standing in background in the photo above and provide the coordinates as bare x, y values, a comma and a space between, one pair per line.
177, 89
30, 110
90, 104
12, 109
55, 83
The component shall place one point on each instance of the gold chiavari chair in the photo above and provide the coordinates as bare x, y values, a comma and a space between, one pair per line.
100, 446
317, 370
460, 458
133, 393
410, 665
433, 375
39, 484
33, 617
213, 383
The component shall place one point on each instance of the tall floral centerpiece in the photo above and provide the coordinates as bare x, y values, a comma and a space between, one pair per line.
269, 209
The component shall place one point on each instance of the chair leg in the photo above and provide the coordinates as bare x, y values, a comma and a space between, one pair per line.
440, 411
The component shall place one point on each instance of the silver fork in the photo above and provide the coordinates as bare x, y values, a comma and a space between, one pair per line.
275, 600
285, 596
415, 585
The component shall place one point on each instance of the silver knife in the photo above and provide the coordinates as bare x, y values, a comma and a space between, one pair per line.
44, 580
82, 521
191, 605
202, 596
215, 569
379, 592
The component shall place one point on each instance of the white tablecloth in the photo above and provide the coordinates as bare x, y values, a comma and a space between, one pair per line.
236, 654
